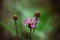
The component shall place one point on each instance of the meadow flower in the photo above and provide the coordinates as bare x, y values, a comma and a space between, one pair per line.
30, 22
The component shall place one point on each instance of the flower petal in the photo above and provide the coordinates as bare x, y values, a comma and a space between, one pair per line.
33, 20
32, 26
25, 22
38, 21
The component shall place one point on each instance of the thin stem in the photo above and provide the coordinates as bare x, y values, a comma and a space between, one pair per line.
34, 28
16, 30
30, 34
33, 32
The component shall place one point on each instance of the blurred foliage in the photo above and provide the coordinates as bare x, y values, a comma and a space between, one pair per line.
27, 8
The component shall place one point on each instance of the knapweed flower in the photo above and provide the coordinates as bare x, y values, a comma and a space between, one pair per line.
30, 22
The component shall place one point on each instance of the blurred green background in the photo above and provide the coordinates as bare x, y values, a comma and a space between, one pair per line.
27, 8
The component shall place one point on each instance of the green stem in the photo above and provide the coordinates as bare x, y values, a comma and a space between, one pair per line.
34, 28
30, 34
16, 30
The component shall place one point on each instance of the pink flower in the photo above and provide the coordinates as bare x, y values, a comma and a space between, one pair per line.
30, 22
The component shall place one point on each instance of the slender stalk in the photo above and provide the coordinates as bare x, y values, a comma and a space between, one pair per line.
34, 28
16, 30
30, 34
33, 31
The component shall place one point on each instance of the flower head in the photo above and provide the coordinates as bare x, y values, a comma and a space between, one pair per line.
15, 17
37, 14
30, 22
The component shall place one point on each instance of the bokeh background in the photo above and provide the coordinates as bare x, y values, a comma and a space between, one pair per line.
47, 29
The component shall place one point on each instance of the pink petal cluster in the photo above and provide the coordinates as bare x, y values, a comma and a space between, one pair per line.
30, 21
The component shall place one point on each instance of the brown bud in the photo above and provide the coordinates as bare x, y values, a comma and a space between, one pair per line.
15, 17
37, 14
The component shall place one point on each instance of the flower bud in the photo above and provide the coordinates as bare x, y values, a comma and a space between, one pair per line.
37, 14
15, 17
